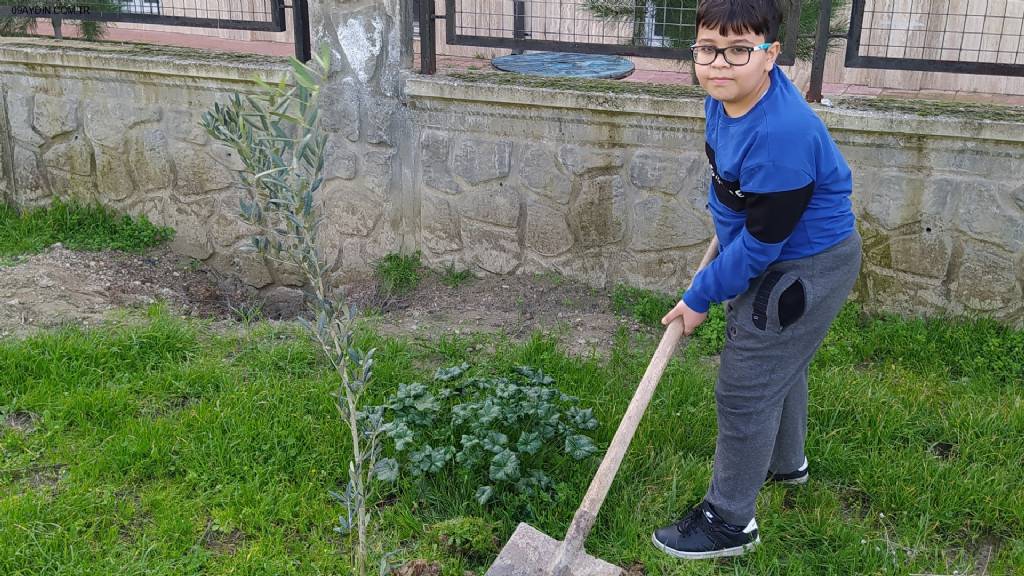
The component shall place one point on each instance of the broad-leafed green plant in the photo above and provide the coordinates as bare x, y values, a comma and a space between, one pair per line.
278, 137
505, 432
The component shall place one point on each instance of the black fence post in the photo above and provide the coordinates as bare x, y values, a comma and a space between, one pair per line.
300, 20
821, 41
518, 22
428, 41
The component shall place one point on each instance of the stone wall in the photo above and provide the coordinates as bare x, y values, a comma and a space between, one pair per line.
119, 124
598, 187
612, 189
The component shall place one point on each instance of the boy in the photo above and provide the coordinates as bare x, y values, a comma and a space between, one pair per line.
789, 256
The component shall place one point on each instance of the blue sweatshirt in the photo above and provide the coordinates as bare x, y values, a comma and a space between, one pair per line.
780, 190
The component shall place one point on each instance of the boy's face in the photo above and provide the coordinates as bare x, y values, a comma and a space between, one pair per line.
731, 84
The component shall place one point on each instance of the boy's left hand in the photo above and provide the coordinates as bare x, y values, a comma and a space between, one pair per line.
691, 319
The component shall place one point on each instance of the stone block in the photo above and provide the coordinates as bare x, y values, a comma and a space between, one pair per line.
113, 182
19, 115
926, 254
539, 173
493, 249
106, 122
67, 185
359, 254
666, 222
498, 205
985, 280
183, 125
361, 36
579, 160
598, 215
149, 159
379, 114
590, 266
357, 215
992, 216
664, 271
378, 167
27, 178
339, 103
226, 156
662, 172
240, 262
197, 171
73, 155
547, 231
283, 303
434, 162
190, 236
887, 199
476, 160
439, 224
53, 115
226, 228
339, 160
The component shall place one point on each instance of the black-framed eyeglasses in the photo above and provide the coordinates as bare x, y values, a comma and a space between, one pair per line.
704, 54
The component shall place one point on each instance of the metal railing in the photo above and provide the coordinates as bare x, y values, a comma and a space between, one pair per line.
647, 28
257, 15
961, 36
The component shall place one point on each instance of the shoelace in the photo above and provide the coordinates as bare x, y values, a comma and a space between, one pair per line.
688, 524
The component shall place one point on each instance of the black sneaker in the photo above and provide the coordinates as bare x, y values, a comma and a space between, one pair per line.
798, 476
702, 534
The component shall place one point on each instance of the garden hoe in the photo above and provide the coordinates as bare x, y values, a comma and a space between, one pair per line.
530, 552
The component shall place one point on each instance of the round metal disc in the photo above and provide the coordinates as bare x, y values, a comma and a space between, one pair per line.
565, 64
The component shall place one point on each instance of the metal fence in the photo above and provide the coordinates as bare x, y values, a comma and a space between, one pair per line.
265, 15
651, 28
965, 36
259, 15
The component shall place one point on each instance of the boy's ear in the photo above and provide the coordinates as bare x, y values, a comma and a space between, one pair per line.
773, 53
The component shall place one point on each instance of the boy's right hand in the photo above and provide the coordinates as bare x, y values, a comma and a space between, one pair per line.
691, 319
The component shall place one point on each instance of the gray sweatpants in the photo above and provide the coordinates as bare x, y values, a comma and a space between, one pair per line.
772, 332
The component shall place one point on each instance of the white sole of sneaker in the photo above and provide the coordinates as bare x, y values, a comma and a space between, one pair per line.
794, 481
735, 551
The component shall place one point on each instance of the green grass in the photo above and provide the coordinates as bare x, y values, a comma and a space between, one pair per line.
453, 277
398, 274
190, 451
650, 307
78, 227
645, 305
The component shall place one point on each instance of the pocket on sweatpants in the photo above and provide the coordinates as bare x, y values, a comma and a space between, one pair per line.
779, 302
792, 303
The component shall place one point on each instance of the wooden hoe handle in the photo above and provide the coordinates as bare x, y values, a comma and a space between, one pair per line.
583, 521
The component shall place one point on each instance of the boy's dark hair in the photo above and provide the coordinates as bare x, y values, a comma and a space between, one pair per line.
741, 16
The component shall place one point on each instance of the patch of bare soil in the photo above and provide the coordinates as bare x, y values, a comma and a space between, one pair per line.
20, 421
419, 568
38, 476
62, 286
226, 543
516, 306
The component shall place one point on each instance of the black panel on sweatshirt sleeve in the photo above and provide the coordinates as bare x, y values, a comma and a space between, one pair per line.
772, 217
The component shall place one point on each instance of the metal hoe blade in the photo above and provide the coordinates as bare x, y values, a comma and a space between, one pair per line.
530, 552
